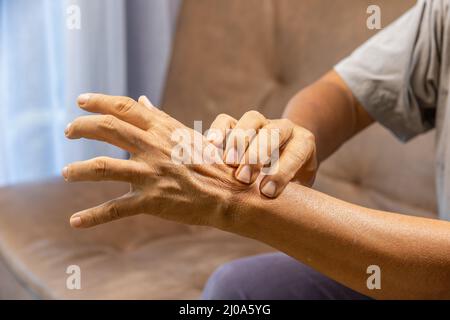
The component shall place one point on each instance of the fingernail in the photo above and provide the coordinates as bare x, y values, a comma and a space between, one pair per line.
66, 131
83, 99
65, 171
75, 222
232, 156
269, 189
245, 174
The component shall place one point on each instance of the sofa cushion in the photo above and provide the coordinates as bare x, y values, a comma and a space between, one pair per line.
377, 171
233, 55
140, 257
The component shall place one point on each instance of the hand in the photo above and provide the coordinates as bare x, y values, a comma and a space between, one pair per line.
193, 194
296, 150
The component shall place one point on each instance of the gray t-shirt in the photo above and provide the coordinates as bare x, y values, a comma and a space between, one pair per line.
402, 78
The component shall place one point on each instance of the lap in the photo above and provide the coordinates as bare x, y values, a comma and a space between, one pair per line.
274, 276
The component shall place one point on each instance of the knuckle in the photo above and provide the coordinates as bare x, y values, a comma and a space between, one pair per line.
100, 167
113, 212
94, 219
310, 136
223, 117
286, 123
253, 114
255, 118
123, 106
256, 115
297, 158
108, 122
305, 134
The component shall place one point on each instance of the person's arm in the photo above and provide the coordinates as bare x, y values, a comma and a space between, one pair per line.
342, 240
329, 110
335, 237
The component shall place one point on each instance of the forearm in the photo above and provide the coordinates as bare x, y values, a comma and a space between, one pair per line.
341, 240
328, 109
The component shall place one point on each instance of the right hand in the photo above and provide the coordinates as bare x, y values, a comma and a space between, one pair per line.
297, 160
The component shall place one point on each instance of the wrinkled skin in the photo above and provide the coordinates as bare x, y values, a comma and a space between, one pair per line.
158, 185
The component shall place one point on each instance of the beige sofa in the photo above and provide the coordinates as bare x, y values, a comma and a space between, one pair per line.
229, 56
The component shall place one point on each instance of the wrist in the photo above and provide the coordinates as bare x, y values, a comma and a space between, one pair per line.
237, 216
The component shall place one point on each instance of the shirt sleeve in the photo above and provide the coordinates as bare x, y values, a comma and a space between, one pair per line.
395, 74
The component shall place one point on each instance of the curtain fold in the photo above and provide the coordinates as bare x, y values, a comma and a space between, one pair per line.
122, 48
30, 100
95, 61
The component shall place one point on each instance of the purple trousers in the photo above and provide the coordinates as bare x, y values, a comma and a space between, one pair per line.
274, 276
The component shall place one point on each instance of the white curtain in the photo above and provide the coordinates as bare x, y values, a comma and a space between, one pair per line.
121, 48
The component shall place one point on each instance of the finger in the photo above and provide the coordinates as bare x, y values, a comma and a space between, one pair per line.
119, 208
107, 169
157, 114
146, 102
218, 130
292, 159
108, 129
242, 134
262, 149
123, 108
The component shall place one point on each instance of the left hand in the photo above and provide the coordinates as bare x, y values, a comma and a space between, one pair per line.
198, 194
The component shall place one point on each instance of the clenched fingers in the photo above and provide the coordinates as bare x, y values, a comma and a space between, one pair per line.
293, 161
217, 133
262, 149
241, 136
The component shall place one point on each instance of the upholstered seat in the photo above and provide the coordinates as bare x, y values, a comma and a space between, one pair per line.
141, 257
229, 56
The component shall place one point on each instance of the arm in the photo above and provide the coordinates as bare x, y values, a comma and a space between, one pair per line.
341, 116
337, 238
341, 240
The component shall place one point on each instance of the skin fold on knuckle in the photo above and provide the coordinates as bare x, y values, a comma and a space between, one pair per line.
124, 106
113, 212
108, 123
256, 115
94, 219
223, 117
100, 168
